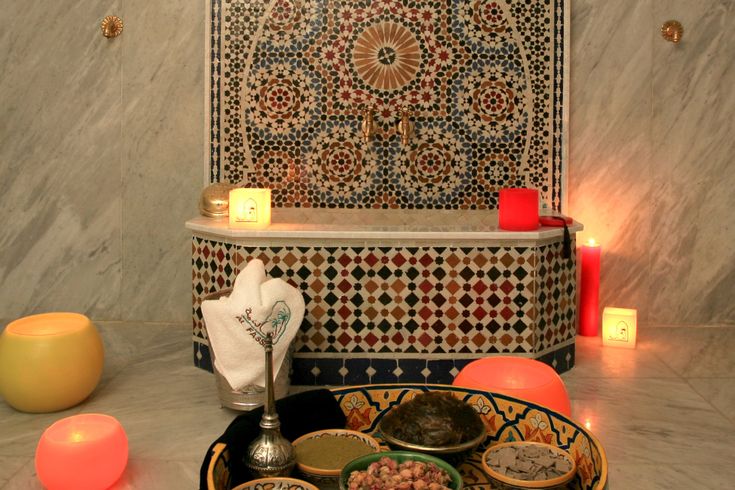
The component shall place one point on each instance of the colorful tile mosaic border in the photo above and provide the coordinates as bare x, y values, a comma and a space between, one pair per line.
486, 80
407, 302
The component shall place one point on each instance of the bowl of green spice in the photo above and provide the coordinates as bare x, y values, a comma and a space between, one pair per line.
321, 455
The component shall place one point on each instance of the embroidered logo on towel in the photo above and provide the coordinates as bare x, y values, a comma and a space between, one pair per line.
275, 323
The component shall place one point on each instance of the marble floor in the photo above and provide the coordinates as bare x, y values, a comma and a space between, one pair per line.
664, 412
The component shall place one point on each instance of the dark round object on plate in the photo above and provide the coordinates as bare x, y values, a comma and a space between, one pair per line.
434, 423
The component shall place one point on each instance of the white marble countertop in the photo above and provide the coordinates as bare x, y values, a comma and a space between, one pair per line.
457, 228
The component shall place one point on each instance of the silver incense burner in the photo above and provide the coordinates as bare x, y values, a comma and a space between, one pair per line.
270, 454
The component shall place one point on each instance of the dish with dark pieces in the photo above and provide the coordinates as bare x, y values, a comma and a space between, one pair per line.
434, 423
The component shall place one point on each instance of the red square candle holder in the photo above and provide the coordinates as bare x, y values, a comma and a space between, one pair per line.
518, 209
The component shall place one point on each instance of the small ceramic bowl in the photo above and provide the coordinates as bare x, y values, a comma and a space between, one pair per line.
504, 482
361, 464
328, 478
276, 483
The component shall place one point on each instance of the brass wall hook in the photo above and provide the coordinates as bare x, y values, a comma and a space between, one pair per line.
368, 123
405, 126
672, 30
112, 26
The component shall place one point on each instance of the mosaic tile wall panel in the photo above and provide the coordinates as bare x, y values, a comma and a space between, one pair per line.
426, 300
420, 306
555, 296
213, 269
484, 81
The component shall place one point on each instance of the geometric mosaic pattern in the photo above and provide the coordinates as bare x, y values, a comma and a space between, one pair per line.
483, 79
427, 308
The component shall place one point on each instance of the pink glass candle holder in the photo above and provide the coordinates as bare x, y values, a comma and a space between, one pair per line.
518, 209
82, 452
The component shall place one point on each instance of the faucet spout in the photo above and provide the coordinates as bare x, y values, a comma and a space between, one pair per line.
405, 126
368, 123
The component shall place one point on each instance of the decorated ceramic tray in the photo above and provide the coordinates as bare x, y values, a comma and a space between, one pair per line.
506, 419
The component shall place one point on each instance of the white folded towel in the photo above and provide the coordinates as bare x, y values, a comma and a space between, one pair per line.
237, 325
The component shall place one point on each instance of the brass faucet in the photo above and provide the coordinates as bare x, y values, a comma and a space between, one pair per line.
405, 126
368, 123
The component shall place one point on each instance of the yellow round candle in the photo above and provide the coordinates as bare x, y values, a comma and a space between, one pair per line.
49, 362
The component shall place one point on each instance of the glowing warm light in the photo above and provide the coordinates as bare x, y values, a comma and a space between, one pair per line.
83, 452
589, 289
527, 379
518, 209
50, 361
619, 327
588, 424
250, 208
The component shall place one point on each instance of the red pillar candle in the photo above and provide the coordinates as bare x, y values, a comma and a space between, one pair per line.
518, 209
589, 289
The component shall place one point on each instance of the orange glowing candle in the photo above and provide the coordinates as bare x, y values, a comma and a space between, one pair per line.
518, 377
82, 452
589, 289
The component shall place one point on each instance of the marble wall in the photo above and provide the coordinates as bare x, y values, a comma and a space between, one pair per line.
101, 147
652, 141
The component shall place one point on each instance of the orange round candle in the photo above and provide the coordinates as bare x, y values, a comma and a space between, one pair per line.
82, 452
589, 289
526, 379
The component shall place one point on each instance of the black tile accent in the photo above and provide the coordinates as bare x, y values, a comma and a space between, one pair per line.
301, 371
440, 371
412, 370
357, 371
384, 371
459, 364
329, 374
560, 355
206, 361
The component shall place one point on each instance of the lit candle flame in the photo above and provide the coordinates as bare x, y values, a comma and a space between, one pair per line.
76, 436
592, 242
588, 424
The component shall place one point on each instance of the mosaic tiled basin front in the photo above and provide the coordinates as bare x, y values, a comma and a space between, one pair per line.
406, 313
506, 419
